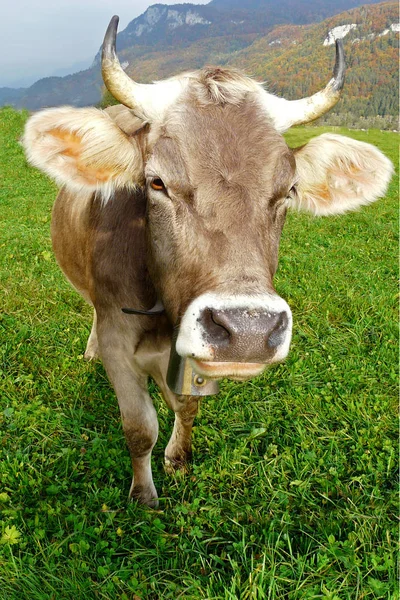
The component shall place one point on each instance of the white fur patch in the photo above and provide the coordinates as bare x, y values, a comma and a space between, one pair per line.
338, 174
286, 113
151, 101
191, 340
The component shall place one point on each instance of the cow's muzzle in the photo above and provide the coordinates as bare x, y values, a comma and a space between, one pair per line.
234, 336
248, 336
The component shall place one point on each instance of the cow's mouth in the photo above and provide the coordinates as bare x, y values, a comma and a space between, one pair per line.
231, 370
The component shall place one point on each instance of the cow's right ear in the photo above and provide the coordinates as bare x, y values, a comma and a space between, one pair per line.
337, 174
83, 149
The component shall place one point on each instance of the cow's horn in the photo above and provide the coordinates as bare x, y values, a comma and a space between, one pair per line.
146, 100
286, 113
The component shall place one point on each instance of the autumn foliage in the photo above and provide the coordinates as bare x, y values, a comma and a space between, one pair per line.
293, 62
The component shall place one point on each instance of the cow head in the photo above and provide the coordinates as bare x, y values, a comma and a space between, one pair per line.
219, 178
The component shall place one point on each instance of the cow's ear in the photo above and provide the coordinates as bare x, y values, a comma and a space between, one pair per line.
337, 174
83, 148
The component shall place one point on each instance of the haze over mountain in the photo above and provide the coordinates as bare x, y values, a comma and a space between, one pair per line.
167, 39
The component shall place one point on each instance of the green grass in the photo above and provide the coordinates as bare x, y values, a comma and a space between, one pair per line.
292, 492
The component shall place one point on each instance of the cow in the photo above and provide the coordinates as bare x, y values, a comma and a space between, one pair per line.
171, 207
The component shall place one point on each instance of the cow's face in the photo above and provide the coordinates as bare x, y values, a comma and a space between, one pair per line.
217, 180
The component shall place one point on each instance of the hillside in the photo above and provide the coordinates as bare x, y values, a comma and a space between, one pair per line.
296, 61
292, 58
292, 11
178, 25
80, 89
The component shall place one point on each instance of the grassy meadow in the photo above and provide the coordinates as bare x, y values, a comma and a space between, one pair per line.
292, 491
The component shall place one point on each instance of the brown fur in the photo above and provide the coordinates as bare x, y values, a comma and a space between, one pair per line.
222, 210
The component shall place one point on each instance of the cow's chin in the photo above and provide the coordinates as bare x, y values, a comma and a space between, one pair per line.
230, 370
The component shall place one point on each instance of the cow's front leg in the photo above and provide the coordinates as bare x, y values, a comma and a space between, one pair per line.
139, 418
179, 449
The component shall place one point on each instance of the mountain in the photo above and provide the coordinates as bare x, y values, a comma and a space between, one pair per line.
178, 25
296, 61
81, 65
275, 41
291, 11
80, 89
11, 96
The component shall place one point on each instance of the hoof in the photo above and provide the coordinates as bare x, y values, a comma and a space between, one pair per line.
92, 348
171, 466
90, 355
148, 497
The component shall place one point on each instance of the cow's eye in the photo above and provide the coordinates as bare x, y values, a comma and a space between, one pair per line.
158, 185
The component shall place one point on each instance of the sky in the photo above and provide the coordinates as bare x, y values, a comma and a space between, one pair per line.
39, 37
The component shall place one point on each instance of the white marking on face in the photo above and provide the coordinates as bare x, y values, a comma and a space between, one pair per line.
192, 339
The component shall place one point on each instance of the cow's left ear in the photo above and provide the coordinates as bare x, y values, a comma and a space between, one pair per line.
84, 149
337, 174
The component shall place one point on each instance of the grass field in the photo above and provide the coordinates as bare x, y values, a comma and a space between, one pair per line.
292, 492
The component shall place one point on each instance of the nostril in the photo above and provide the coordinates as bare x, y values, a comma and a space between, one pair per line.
215, 325
221, 321
277, 332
